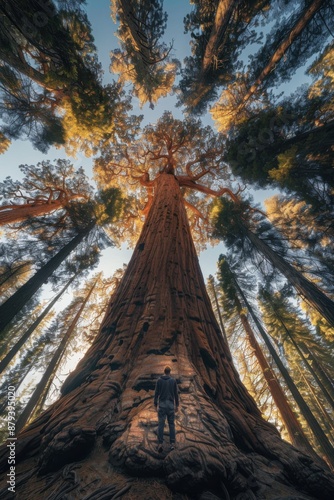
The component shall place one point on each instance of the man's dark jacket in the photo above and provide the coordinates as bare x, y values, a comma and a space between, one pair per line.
166, 390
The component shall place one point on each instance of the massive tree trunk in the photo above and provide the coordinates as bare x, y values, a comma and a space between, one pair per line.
14, 304
102, 431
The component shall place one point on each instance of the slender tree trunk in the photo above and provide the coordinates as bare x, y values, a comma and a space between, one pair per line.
327, 381
14, 304
301, 354
15, 349
319, 434
225, 9
303, 20
104, 426
212, 289
215, 44
26, 20
49, 372
12, 60
312, 294
325, 418
293, 427
16, 383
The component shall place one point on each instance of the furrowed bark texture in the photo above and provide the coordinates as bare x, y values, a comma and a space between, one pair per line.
99, 439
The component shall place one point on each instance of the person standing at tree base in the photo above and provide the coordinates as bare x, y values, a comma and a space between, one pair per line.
166, 400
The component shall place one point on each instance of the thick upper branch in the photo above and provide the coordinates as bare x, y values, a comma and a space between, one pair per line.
186, 181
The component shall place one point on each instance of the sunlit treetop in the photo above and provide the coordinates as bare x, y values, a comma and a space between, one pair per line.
291, 41
219, 31
231, 110
143, 59
186, 149
106, 120
322, 90
45, 195
323, 328
4, 143
45, 183
51, 88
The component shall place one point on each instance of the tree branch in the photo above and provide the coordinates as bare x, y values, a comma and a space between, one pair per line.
186, 181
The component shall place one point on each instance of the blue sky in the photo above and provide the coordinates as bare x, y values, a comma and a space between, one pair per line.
105, 40
22, 152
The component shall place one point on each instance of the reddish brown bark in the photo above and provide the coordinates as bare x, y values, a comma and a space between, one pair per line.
18, 213
223, 15
104, 425
303, 20
293, 427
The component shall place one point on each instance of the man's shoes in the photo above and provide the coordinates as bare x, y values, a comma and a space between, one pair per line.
172, 446
160, 448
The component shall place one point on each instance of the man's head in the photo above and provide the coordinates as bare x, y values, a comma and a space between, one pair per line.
167, 370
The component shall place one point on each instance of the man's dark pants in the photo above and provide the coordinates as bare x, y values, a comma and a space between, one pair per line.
166, 409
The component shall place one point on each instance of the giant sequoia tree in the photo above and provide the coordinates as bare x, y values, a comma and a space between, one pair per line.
101, 433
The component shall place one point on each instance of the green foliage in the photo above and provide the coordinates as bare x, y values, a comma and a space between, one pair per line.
113, 203
54, 188
227, 220
51, 86
143, 59
309, 42
26, 112
286, 147
226, 280
216, 44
